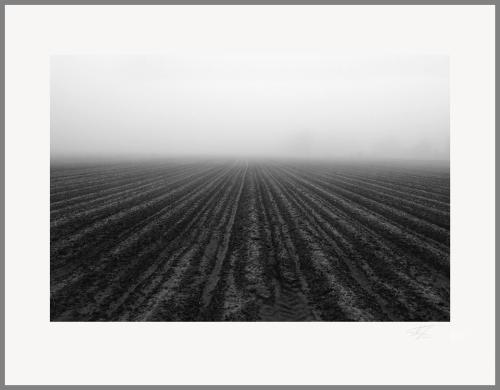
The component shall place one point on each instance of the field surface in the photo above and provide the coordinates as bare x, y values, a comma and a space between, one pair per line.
239, 241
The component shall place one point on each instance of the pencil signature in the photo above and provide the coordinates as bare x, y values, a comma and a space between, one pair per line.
421, 332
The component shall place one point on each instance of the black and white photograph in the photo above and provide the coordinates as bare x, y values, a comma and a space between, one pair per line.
250, 186
249, 194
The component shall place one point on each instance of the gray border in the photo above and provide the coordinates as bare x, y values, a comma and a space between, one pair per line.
211, 2
252, 2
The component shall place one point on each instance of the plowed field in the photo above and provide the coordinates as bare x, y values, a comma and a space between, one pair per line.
239, 241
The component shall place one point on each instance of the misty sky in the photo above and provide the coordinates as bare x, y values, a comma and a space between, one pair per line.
250, 104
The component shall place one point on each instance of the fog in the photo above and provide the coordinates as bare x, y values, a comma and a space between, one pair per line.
250, 104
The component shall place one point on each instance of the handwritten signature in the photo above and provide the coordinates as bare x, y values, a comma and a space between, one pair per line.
421, 332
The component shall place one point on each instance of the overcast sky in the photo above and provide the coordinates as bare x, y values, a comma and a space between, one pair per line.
250, 104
